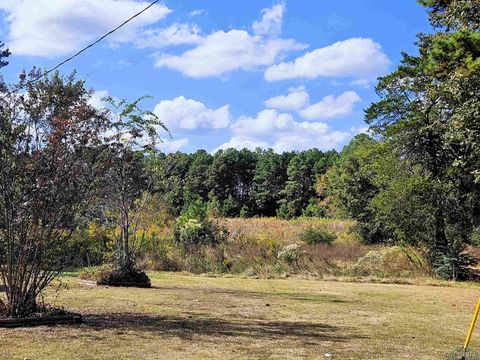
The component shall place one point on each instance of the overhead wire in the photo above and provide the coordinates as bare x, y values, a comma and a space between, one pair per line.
85, 48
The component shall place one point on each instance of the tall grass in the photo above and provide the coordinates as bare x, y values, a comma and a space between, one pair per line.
288, 231
270, 247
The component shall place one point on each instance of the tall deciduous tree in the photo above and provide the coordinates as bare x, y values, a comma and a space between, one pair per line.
129, 183
52, 161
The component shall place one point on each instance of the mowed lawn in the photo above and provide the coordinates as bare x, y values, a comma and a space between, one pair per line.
192, 317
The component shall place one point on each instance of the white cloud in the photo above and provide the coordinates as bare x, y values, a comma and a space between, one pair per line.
198, 12
175, 34
223, 52
331, 106
96, 99
170, 146
305, 135
265, 123
57, 27
187, 114
280, 131
358, 58
271, 22
296, 99
241, 142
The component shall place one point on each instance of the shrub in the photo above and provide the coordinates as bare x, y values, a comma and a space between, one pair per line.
194, 229
289, 254
396, 261
454, 266
119, 277
314, 210
313, 236
95, 272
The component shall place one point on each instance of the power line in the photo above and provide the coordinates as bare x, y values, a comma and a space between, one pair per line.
88, 46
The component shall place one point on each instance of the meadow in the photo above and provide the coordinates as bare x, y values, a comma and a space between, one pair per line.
275, 248
198, 317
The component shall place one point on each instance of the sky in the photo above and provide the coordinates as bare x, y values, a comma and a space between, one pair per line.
287, 75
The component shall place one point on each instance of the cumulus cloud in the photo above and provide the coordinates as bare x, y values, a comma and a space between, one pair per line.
188, 114
97, 99
222, 52
243, 142
280, 131
296, 99
197, 12
331, 106
170, 146
305, 136
265, 123
271, 22
361, 59
56, 27
175, 34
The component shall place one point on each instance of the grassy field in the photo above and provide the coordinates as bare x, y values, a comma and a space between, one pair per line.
193, 317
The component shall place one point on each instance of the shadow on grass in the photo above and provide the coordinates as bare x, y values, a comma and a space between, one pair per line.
193, 325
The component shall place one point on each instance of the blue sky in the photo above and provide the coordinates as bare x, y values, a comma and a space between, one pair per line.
283, 74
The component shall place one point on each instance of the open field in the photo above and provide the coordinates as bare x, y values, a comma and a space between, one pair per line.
192, 317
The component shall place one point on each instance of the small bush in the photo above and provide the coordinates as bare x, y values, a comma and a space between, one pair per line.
95, 273
193, 229
454, 266
123, 277
391, 261
313, 236
289, 253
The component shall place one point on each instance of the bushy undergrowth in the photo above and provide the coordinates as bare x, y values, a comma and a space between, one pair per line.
108, 275
95, 273
312, 236
270, 248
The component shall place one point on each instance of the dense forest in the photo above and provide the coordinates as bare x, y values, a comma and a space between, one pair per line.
246, 183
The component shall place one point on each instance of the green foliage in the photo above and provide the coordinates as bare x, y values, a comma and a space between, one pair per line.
303, 170
193, 229
357, 178
95, 273
313, 236
453, 265
428, 114
230, 177
453, 14
245, 183
4, 54
314, 209
52, 164
268, 182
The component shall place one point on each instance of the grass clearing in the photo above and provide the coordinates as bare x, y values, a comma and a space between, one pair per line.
194, 317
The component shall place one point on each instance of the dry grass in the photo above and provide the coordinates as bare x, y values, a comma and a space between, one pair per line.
187, 317
287, 231
272, 248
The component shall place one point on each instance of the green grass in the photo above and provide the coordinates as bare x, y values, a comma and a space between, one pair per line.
194, 317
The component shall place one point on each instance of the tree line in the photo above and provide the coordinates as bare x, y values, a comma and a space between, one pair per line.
245, 183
